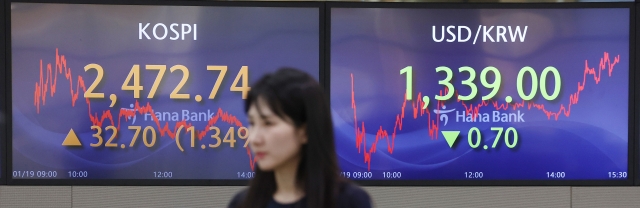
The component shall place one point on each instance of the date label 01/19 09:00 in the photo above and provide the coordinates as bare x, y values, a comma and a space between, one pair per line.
35, 174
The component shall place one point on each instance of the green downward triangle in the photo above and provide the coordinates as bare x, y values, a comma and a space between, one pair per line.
451, 137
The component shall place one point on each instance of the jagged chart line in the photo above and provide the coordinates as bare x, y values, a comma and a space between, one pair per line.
433, 126
49, 84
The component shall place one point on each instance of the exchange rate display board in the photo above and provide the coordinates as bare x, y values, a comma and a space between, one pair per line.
481, 93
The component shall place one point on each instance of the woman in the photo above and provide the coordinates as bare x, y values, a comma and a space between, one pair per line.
291, 137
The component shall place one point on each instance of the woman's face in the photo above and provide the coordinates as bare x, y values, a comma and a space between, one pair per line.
275, 142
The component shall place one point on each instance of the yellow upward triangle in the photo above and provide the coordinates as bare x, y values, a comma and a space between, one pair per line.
71, 139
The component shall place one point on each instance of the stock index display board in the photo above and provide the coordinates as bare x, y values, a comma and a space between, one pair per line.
145, 91
481, 94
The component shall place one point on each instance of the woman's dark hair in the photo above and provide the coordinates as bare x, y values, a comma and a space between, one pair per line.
295, 94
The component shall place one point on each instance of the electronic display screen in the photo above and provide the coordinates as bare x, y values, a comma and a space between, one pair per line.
481, 94
145, 91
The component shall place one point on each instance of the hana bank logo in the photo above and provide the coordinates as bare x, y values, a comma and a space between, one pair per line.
131, 109
442, 113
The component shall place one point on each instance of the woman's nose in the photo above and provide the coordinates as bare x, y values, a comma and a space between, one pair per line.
255, 137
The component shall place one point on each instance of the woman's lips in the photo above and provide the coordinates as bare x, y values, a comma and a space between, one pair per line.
260, 155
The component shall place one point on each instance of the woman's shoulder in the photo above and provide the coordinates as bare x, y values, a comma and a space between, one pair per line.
352, 195
238, 198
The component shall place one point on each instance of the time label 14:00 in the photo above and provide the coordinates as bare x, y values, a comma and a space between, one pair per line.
134, 76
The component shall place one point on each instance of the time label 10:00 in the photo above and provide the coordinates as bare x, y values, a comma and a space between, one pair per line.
494, 86
134, 76
149, 136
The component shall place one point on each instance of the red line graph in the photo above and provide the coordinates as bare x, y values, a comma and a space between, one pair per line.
433, 125
48, 83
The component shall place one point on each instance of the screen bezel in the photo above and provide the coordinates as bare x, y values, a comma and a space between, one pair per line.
3, 107
134, 182
631, 155
636, 146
